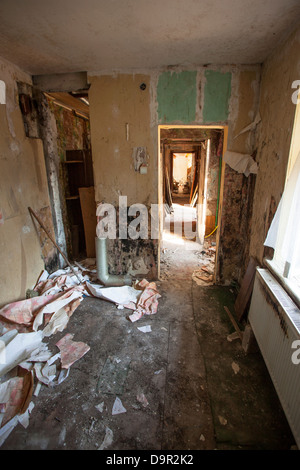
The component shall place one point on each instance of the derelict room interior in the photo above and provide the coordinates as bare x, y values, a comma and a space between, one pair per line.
149, 218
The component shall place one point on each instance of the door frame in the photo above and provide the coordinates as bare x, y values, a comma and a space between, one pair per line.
160, 186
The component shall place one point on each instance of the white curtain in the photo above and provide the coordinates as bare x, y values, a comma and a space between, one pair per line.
284, 232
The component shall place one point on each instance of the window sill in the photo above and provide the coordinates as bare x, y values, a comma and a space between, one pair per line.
285, 283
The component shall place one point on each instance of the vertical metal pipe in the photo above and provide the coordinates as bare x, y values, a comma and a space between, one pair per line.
102, 267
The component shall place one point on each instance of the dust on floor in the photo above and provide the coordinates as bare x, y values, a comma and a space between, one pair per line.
179, 385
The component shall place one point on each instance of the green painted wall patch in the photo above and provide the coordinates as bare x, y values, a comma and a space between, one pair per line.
176, 97
217, 91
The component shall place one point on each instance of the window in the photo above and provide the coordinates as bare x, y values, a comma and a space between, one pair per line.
284, 232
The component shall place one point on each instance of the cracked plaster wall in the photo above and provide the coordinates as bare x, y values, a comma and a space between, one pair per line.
274, 134
23, 183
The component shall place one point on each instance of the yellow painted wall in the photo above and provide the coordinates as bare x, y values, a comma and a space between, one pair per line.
114, 102
23, 183
275, 131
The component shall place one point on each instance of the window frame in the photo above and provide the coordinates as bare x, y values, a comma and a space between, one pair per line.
280, 268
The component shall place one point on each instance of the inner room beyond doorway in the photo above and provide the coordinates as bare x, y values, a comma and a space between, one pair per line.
191, 160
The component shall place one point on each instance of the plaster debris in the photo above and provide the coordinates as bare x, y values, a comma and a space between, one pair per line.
118, 408
199, 277
142, 399
222, 420
145, 329
233, 336
100, 407
235, 367
108, 439
37, 389
24, 418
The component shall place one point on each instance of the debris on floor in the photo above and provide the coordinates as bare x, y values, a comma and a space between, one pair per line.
118, 407
25, 360
235, 367
205, 273
199, 275
108, 439
142, 399
70, 350
142, 297
145, 329
148, 301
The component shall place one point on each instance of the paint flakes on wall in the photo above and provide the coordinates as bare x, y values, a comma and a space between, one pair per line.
176, 97
217, 93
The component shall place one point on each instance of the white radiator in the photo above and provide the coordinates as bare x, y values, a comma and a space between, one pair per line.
275, 321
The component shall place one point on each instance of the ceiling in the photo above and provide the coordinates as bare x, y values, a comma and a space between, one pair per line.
63, 36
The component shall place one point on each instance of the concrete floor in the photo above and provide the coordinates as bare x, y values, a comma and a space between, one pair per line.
203, 392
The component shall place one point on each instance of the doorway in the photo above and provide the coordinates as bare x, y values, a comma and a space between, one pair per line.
71, 113
191, 174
